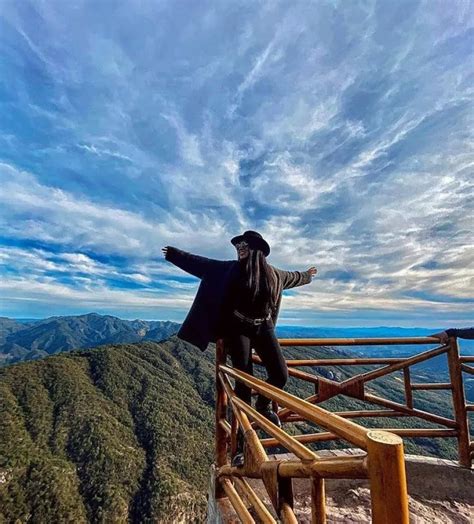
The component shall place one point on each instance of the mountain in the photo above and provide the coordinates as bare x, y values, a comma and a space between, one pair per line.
21, 341
8, 326
26, 339
113, 434
124, 433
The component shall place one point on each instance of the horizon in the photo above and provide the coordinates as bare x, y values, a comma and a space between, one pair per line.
279, 325
345, 143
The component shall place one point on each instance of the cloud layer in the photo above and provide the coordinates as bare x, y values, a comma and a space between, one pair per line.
341, 131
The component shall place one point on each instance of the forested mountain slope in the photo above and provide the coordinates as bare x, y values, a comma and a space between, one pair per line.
124, 433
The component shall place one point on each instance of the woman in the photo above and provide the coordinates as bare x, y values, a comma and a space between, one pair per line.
240, 301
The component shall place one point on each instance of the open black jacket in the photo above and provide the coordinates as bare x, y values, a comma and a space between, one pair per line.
201, 323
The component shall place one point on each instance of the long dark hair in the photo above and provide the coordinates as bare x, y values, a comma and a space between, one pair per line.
260, 277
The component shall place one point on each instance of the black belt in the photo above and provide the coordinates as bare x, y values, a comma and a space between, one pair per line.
254, 321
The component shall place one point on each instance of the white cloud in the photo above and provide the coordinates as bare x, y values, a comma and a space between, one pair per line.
49, 291
188, 142
100, 152
32, 210
349, 145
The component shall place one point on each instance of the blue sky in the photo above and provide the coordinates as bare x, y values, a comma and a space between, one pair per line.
341, 131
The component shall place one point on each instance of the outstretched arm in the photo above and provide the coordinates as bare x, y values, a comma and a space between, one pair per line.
296, 278
443, 336
193, 264
467, 333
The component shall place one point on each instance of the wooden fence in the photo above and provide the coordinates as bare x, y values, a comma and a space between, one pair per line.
382, 456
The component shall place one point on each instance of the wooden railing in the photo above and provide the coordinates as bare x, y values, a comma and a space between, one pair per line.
383, 460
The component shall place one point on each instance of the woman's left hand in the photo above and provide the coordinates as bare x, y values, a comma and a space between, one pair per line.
442, 337
313, 271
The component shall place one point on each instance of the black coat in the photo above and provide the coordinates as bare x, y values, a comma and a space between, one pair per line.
201, 323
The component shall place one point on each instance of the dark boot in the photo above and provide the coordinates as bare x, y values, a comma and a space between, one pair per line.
263, 407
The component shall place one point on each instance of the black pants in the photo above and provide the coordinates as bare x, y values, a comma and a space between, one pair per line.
240, 338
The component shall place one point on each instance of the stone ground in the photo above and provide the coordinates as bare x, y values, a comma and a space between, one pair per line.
440, 493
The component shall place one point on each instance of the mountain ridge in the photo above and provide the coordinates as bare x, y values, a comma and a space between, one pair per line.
25, 340
19, 342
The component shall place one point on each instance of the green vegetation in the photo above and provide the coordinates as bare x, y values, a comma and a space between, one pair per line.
113, 434
124, 433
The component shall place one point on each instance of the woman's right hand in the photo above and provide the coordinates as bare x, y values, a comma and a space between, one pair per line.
165, 250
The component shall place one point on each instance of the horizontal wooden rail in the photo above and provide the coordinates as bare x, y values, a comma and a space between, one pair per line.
303, 375
365, 413
346, 429
333, 467
411, 411
368, 413
467, 369
336, 361
431, 385
308, 438
357, 341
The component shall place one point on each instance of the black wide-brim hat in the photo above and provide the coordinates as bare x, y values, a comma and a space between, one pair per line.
254, 240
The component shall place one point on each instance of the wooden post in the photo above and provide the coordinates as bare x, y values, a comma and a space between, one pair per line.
408, 392
221, 411
318, 501
459, 402
233, 435
388, 487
